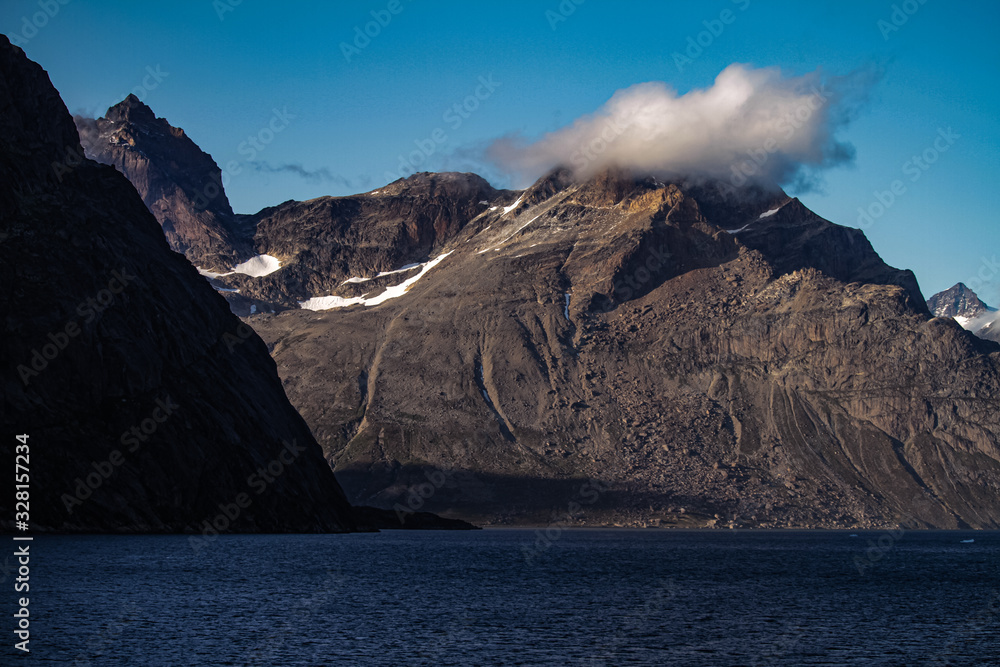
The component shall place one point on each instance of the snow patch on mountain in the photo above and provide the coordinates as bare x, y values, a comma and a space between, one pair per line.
255, 267
212, 274
330, 302
402, 269
259, 266
977, 324
508, 209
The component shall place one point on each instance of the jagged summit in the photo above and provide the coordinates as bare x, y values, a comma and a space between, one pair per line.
965, 306
957, 301
180, 183
131, 109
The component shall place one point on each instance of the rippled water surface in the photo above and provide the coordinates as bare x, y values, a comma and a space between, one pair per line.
495, 598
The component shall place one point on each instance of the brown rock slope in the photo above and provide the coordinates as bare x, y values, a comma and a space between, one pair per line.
147, 404
181, 184
320, 243
324, 242
777, 374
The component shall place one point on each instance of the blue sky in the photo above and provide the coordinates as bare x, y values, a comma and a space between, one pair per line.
223, 68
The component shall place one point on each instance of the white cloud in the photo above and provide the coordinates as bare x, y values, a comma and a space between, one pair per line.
750, 125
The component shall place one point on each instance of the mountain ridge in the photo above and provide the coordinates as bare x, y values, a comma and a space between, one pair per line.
593, 293
706, 356
965, 307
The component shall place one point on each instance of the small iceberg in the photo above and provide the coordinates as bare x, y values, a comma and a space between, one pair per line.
967, 541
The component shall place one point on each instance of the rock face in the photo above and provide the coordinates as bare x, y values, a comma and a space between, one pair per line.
622, 351
180, 184
964, 305
148, 406
958, 301
607, 352
320, 243
324, 243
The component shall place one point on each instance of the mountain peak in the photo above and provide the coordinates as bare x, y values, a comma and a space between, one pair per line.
178, 181
961, 303
33, 113
608, 187
422, 177
131, 109
957, 301
447, 183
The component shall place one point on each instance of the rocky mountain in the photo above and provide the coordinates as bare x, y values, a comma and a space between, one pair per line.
672, 353
353, 245
345, 236
958, 301
962, 304
180, 184
147, 405
625, 350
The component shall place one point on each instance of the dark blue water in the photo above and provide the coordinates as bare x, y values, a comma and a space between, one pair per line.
590, 597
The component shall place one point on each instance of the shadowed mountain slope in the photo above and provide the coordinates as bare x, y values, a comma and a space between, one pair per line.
148, 406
